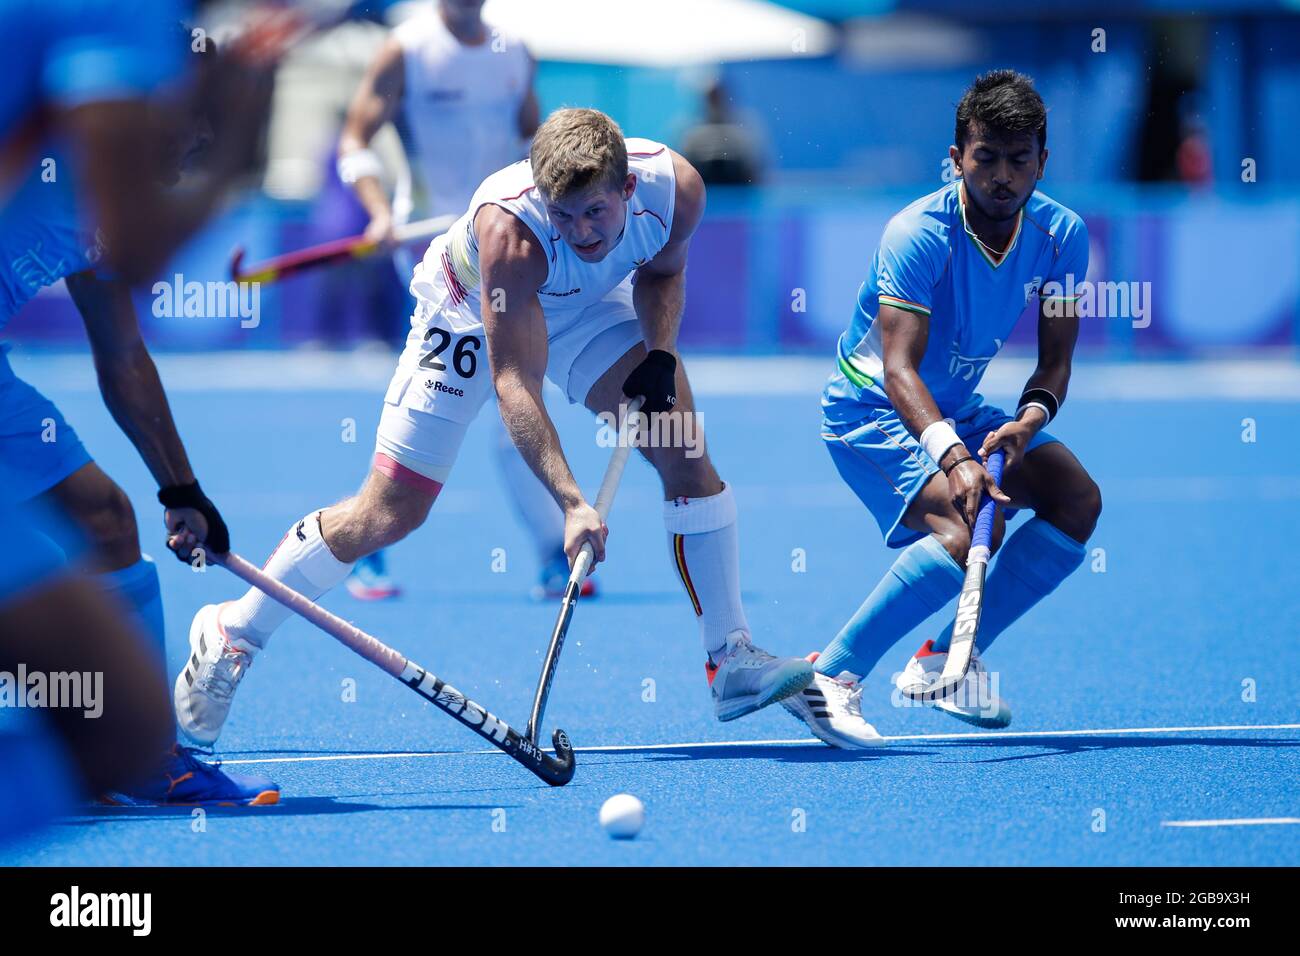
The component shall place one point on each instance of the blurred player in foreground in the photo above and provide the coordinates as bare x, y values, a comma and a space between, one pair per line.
572, 266
55, 757
84, 71
467, 91
952, 275
44, 237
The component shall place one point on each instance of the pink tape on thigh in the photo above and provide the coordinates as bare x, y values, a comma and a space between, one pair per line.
395, 470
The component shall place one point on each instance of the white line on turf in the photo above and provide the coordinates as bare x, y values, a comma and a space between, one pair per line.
1269, 377
1244, 822
800, 741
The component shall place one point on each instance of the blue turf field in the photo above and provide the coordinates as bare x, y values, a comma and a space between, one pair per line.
1198, 596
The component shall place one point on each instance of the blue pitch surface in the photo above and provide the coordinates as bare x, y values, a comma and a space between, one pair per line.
1198, 596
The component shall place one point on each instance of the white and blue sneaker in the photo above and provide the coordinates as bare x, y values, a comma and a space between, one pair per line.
748, 678
832, 709
975, 700
369, 580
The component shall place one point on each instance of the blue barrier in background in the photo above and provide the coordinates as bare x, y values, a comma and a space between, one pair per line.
777, 270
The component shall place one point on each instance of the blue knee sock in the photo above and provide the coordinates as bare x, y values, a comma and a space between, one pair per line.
137, 587
921, 581
1029, 566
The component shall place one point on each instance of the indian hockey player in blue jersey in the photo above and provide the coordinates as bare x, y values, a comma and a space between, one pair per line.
45, 237
909, 433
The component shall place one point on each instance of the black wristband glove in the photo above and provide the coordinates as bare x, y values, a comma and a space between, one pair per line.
192, 496
656, 379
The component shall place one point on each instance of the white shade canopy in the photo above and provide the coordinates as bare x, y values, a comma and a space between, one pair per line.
662, 33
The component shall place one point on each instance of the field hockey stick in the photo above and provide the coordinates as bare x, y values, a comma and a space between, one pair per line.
604, 499
327, 253
970, 602
556, 770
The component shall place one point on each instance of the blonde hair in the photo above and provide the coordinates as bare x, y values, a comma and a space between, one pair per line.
575, 149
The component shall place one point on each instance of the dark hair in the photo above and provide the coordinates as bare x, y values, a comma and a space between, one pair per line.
1003, 102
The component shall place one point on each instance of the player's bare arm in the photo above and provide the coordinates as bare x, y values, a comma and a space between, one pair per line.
904, 336
134, 395
1057, 335
513, 268
128, 377
660, 289
374, 104
660, 293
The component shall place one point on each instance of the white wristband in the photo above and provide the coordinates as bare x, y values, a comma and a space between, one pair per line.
938, 437
1047, 415
358, 164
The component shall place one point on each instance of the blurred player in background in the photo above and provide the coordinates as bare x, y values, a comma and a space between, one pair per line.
467, 90
571, 265
951, 277
48, 234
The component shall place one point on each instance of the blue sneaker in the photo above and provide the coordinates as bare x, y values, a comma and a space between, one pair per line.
186, 781
369, 580
555, 578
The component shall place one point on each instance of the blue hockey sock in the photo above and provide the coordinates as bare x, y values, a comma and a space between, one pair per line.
1029, 566
137, 587
920, 582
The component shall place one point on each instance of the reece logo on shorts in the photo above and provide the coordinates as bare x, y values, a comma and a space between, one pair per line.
448, 389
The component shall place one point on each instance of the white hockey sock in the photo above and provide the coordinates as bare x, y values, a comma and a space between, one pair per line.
534, 505
705, 551
303, 562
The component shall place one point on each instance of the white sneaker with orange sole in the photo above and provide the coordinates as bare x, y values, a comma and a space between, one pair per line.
748, 678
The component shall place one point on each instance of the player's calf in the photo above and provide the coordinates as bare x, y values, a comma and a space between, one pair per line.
703, 544
385, 511
353, 530
682, 476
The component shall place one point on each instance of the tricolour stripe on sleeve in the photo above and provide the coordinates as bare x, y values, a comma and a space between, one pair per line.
904, 304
